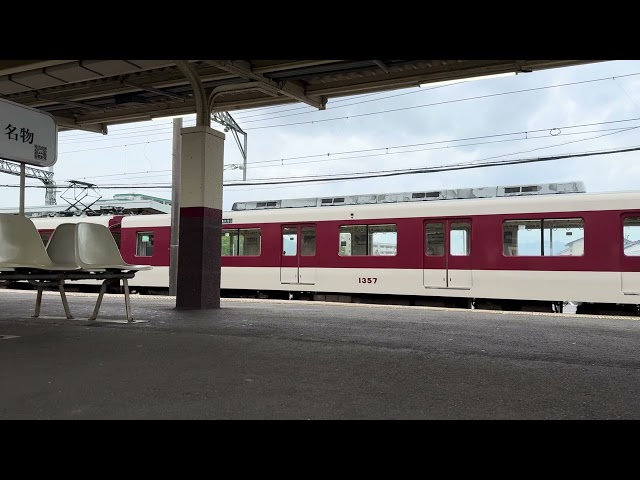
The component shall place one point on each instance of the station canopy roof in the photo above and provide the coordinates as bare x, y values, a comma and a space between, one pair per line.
93, 94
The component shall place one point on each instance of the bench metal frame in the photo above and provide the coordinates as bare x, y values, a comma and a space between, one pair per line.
41, 280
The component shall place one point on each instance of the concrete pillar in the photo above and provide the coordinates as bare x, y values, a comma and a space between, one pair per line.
198, 285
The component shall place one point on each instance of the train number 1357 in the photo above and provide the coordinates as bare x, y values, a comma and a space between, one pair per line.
367, 279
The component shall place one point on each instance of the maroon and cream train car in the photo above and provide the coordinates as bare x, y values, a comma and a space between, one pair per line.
46, 225
512, 247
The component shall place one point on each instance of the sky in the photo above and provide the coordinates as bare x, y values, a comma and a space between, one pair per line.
562, 111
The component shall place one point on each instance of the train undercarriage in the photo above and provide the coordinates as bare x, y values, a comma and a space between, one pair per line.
447, 302
443, 302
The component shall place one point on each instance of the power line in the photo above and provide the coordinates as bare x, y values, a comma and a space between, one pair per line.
388, 173
445, 102
386, 149
389, 111
615, 130
444, 86
481, 160
524, 132
479, 137
241, 117
128, 175
342, 153
143, 133
150, 128
442, 168
114, 146
562, 144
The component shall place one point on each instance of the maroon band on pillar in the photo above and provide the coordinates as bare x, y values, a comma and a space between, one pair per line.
199, 269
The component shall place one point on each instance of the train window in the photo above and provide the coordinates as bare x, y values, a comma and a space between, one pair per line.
289, 241
434, 239
460, 238
563, 237
631, 236
544, 237
383, 240
45, 238
376, 240
240, 242
144, 244
229, 242
308, 248
353, 240
249, 242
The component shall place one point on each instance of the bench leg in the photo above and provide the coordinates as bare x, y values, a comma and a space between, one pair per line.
36, 314
127, 300
64, 299
103, 288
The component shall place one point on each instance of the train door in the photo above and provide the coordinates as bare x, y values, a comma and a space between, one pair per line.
630, 262
115, 227
447, 254
297, 260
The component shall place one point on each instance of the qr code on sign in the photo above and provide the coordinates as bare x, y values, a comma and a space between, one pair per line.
40, 153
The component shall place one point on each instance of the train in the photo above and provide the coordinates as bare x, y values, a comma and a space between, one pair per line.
532, 247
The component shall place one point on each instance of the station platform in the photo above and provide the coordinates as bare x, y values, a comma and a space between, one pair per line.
304, 360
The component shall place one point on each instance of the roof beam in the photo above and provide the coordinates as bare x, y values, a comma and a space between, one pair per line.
234, 84
104, 88
68, 124
154, 90
396, 80
292, 65
297, 92
289, 89
203, 112
223, 106
69, 102
226, 89
9, 67
382, 65
135, 114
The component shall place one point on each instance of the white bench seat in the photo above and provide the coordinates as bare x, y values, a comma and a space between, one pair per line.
75, 251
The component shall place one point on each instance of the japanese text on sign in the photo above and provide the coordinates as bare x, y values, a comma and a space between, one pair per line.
27, 135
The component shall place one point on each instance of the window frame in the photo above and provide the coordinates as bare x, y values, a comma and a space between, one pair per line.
541, 221
624, 219
235, 232
151, 234
367, 234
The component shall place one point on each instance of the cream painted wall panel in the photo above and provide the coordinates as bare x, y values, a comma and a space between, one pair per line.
434, 278
602, 287
552, 286
202, 167
156, 277
630, 283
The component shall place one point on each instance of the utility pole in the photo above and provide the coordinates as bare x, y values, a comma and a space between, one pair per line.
225, 118
30, 172
175, 205
22, 187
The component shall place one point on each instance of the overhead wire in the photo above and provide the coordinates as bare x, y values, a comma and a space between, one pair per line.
526, 133
392, 110
420, 168
386, 111
167, 125
387, 173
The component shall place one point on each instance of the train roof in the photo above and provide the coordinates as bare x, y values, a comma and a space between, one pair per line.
576, 202
46, 223
419, 196
155, 220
